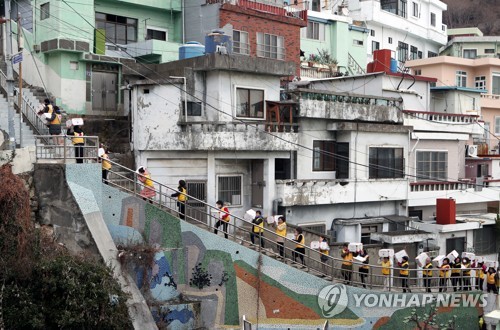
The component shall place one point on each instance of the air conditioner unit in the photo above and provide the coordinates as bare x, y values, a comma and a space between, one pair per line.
471, 150
36, 48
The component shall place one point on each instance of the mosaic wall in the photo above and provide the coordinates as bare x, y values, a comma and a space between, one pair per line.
199, 279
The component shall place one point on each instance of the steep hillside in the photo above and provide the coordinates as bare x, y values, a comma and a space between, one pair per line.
467, 13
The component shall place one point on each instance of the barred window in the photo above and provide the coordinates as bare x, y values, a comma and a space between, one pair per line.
229, 189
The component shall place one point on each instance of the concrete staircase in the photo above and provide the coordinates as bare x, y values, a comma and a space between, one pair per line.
23, 132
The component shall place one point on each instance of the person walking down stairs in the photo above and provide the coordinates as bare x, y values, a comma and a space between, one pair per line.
106, 164
224, 218
148, 192
78, 141
181, 198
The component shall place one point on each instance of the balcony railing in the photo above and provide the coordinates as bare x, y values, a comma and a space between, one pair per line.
346, 98
441, 117
316, 73
439, 186
264, 7
209, 126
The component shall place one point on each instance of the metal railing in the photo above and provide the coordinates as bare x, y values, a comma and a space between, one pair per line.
206, 216
60, 147
354, 66
28, 110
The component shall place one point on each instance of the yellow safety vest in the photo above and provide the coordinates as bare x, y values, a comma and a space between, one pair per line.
467, 270
57, 119
480, 274
148, 182
347, 258
258, 228
78, 138
182, 196
491, 278
427, 270
404, 271
301, 242
325, 252
281, 230
443, 272
386, 268
456, 269
106, 165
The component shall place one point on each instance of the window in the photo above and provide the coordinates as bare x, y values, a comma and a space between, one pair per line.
403, 51
431, 54
461, 78
324, 156
118, 29
480, 82
413, 52
193, 108
389, 40
415, 10
229, 189
156, 34
44, 11
319, 228
497, 125
375, 45
470, 53
270, 46
433, 19
366, 230
372, 33
483, 170
418, 72
73, 65
397, 7
240, 42
315, 31
419, 54
485, 240
456, 244
342, 160
357, 42
489, 51
249, 103
386, 163
432, 165
315, 5
495, 83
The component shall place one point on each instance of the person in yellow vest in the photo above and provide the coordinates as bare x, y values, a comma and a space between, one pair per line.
427, 275
456, 270
364, 269
106, 166
78, 141
444, 271
346, 267
257, 228
54, 121
280, 235
404, 273
480, 273
181, 198
300, 248
148, 192
466, 274
386, 271
224, 218
491, 279
324, 252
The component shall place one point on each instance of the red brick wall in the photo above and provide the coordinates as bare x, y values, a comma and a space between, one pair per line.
287, 27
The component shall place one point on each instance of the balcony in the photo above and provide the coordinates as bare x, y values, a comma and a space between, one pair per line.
312, 73
343, 106
152, 50
426, 193
443, 122
490, 101
255, 136
174, 5
323, 192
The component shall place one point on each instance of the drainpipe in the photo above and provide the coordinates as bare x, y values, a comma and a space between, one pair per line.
276, 202
183, 8
185, 95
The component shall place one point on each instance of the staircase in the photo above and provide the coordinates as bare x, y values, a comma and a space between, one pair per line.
353, 66
24, 134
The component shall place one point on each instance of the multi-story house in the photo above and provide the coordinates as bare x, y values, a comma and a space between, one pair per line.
257, 28
410, 29
470, 43
78, 49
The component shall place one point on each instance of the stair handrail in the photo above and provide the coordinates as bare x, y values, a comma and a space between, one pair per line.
27, 109
353, 63
326, 268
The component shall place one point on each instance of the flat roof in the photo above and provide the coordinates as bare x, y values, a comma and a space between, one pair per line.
463, 89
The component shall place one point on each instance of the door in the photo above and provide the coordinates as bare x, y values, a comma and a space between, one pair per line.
194, 209
104, 91
258, 183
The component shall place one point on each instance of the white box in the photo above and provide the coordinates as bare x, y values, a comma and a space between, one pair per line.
438, 261
421, 259
355, 247
315, 245
386, 253
290, 236
74, 122
360, 259
270, 220
452, 256
489, 263
469, 255
399, 255
250, 215
324, 246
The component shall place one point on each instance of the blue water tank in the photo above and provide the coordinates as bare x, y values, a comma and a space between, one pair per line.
394, 65
217, 38
191, 49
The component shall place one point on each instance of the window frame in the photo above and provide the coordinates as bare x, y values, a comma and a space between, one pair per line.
322, 162
461, 78
226, 200
402, 51
433, 19
486, 244
156, 29
375, 45
469, 50
416, 10
480, 82
395, 171
428, 168
239, 47
45, 11
497, 125
495, 83
265, 50
315, 31
389, 40
413, 52
431, 54
126, 26
249, 88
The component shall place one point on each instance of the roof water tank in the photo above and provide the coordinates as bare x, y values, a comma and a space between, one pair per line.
191, 49
216, 41
394, 65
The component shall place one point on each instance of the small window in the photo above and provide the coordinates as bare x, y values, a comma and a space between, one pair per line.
413, 52
372, 33
497, 125
240, 42
324, 156
470, 53
433, 19
461, 78
146, 90
357, 42
229, 189
418, 72
366, 230
432, 165
375, 45
480, 82
193, 108
73, 65
489, 51
419, 54
402, 51
315, 31
386, 163
389, 40
249, 103
154, 34
415, 10
431, 54
44, 11
270, 46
